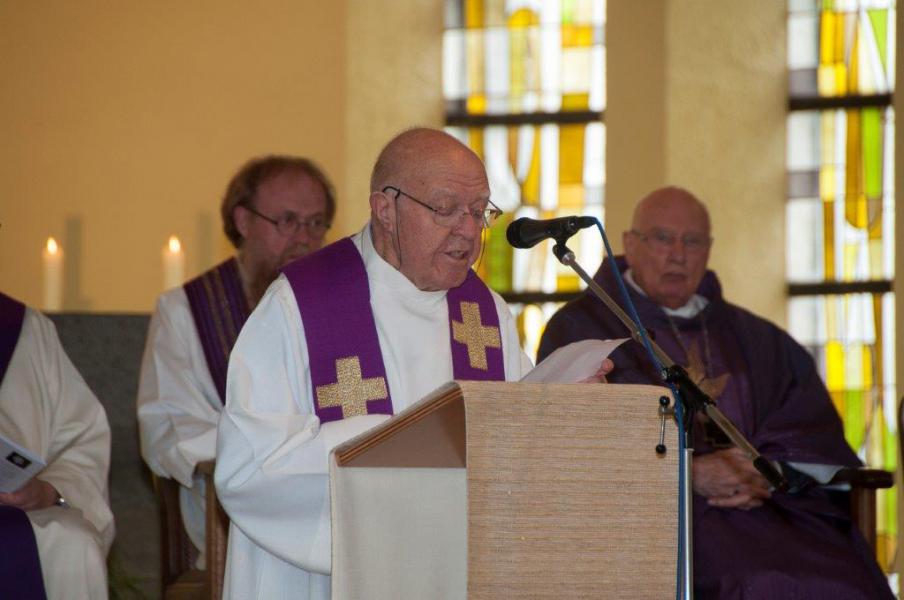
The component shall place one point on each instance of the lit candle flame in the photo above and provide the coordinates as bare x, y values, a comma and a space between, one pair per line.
52, 247
175, 246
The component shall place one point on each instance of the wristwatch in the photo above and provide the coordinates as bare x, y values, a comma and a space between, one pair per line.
60, 501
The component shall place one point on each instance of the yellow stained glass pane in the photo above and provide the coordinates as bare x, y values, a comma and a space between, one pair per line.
576, 35
473, 14
571, 197
828, 227
568, 282
827, 38
855, 205
853, 75
841, 87
835, 365
571, 154
530, 189
575, 101
827, 182
825, 80
477, 104
866, 368
475, 141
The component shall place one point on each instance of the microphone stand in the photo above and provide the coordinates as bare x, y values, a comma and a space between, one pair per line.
693, 400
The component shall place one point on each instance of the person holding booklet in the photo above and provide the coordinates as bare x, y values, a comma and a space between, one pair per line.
56, 525
343, 339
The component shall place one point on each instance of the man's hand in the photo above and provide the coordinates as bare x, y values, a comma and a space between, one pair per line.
600, 376
34, 495
728, 479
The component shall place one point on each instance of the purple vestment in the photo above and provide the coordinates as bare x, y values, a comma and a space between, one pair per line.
20, 565
799, 545
333, 297
219, 309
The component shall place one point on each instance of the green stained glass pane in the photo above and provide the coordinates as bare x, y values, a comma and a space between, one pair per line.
872, 152
879, 21
854, 418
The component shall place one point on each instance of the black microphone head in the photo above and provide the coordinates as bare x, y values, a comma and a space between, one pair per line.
513, 233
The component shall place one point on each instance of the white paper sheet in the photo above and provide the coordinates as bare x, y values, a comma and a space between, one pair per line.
573, 363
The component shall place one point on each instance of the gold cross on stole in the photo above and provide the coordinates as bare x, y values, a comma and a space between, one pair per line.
471, 332
696, 370
350, 391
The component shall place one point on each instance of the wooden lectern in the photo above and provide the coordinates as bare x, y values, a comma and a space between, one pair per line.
509, 490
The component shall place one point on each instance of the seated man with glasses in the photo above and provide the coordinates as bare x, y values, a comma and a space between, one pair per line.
749, 541
276, 209
345, 338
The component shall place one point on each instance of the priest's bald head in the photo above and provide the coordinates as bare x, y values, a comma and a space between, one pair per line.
667, 247
429, 201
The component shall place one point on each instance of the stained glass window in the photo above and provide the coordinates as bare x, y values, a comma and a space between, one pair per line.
524, 85
840, 215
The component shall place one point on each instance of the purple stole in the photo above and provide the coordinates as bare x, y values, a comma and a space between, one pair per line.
219, 308
20, 565
12, 314
348, 375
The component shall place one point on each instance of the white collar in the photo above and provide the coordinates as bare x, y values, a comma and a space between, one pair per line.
691, 309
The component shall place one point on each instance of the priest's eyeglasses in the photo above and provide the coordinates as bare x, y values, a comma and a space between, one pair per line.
289, 224
449, 216
663, 241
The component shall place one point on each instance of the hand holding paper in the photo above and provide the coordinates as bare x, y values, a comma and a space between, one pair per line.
580, 362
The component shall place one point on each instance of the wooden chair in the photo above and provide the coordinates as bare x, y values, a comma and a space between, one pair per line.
180, 579
864, 482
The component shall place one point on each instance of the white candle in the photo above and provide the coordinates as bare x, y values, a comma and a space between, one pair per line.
53, 275
173, 263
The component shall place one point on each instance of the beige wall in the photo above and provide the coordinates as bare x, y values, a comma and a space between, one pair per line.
701, 104
393, 81
122, 122
126, 120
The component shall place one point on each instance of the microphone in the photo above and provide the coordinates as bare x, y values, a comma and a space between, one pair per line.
527, 233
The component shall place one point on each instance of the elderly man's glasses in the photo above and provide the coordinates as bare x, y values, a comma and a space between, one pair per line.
289, 224
449, 216
663, 240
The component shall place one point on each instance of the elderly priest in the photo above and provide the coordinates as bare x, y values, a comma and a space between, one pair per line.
56, 527
749, 541
346, 337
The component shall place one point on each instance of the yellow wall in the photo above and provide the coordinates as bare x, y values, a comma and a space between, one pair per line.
393, 81
699, 101
122, 122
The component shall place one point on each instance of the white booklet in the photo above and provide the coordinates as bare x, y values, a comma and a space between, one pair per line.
573, 363
17, 465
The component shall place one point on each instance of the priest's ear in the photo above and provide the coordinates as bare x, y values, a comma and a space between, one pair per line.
383, 210
241, 216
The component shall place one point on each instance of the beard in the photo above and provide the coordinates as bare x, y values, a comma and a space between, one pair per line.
259, 283
265, 270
